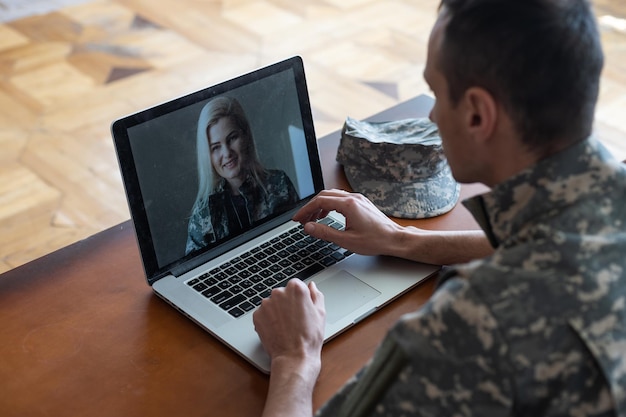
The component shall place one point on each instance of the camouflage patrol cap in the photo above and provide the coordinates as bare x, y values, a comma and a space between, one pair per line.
399, 166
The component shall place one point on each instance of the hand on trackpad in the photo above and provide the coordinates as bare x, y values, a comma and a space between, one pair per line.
343, 294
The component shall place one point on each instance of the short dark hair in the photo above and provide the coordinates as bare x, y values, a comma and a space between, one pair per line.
541, 59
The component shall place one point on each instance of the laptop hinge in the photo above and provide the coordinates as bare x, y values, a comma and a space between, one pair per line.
179, 270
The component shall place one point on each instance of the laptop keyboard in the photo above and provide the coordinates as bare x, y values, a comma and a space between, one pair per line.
239, 285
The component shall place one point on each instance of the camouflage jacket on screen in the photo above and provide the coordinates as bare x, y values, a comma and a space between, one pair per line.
537, 329
211, 222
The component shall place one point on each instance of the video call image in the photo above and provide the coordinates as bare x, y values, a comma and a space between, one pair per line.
213, 169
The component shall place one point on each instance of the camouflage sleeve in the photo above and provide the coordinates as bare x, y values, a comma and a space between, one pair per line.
453, 364
199, 230
361, 394
193, 237
284, 185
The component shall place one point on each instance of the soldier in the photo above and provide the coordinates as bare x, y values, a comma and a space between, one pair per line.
532, 318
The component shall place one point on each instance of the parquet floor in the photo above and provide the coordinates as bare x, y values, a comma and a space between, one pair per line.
69, 67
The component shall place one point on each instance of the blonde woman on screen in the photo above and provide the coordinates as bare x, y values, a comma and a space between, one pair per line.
234, 189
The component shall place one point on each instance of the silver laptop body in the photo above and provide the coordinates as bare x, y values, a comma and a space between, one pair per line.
156, 150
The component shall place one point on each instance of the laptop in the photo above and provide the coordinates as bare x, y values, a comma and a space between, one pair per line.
212, 271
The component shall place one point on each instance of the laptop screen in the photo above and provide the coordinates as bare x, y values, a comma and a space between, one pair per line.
210, 170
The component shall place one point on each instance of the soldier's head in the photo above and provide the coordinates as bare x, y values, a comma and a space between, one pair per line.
539, 59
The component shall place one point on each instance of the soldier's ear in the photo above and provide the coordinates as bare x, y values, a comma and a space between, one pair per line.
481, 113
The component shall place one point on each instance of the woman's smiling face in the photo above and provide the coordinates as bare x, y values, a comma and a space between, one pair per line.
225, 146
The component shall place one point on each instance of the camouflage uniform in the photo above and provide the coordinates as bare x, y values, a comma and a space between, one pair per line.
536, 329
214, 221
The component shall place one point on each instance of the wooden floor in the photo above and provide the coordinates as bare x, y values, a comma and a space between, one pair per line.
68, 69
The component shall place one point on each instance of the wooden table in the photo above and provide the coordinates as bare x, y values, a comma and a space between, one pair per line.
83, 334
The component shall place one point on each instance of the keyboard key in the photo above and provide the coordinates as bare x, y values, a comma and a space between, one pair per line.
337, 255
274, 259
224, 285
328, 261
221, 297
308, 272
317, 256
231, 271
245, 274
308, 261
246, 306
270, 282
232, 302
236, 289
236, 312
303, 253
210, 281
235, 279
240, 265
210, 292
220, 276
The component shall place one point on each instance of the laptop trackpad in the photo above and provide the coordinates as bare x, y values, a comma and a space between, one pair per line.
344, 293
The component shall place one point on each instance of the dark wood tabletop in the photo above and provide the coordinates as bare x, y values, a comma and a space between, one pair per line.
83, 334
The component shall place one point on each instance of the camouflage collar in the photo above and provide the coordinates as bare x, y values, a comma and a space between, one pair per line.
540, 191
245, 187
